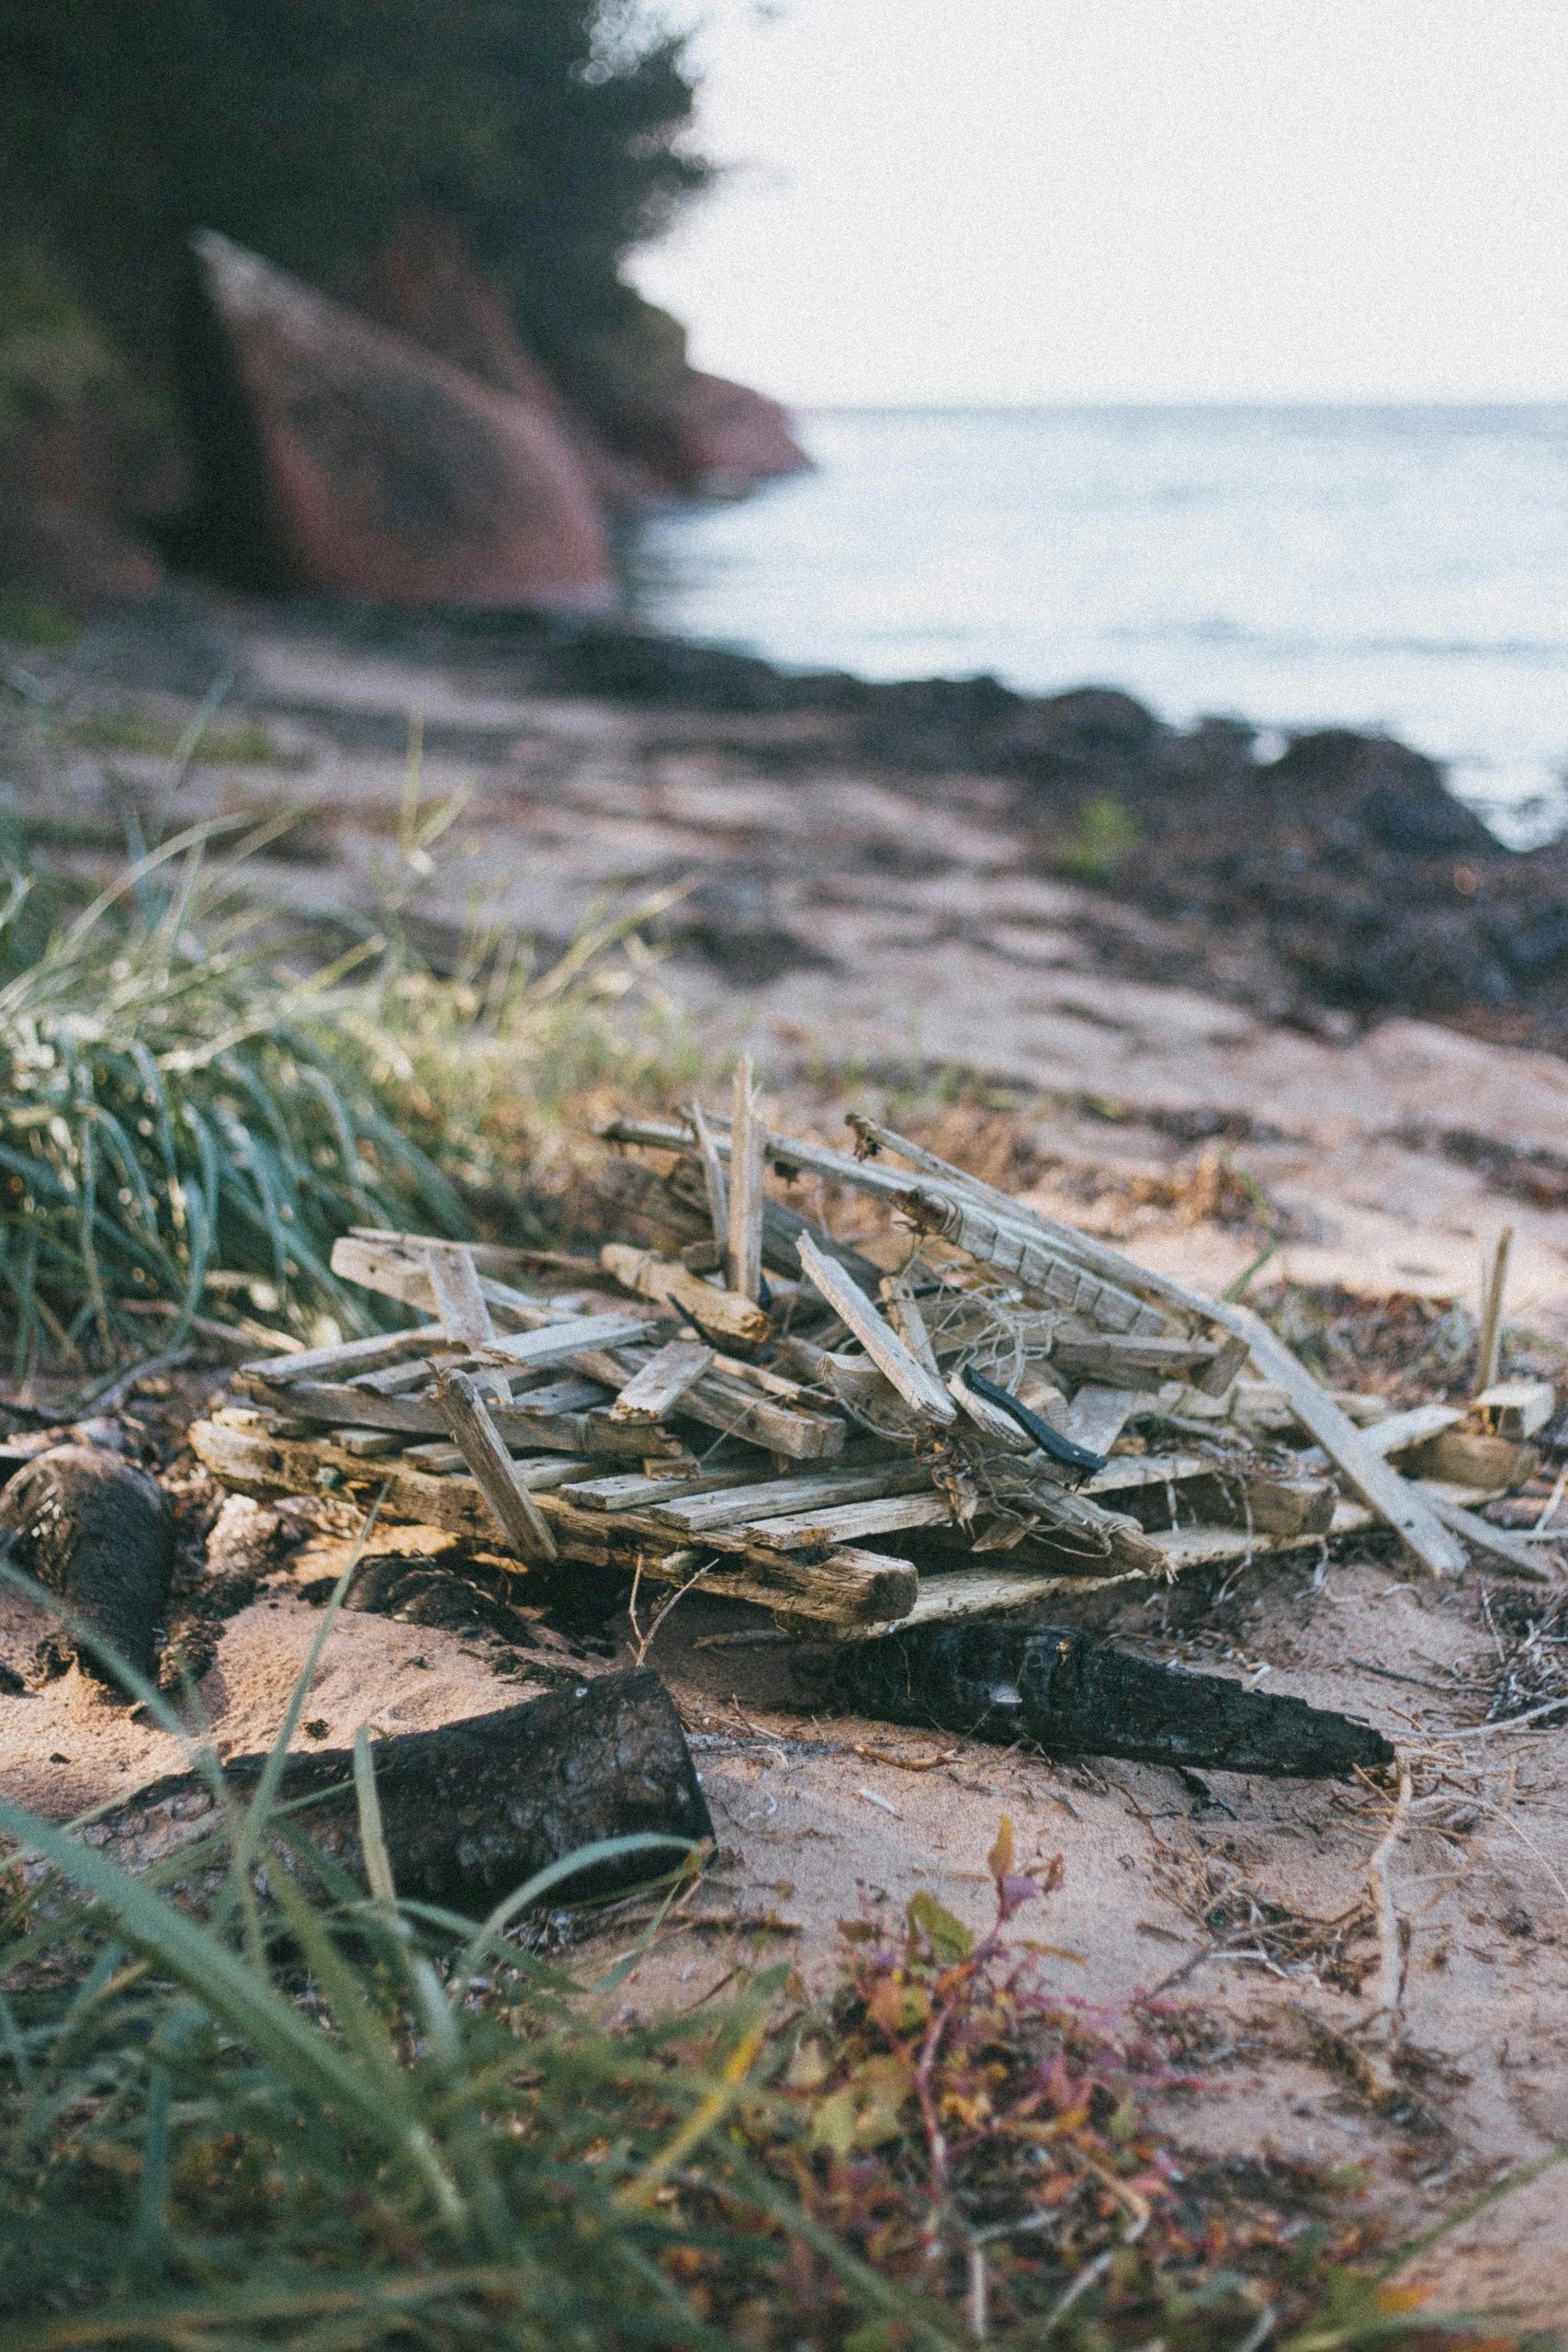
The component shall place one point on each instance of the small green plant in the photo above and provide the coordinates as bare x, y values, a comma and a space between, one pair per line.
1104, 830
34, 622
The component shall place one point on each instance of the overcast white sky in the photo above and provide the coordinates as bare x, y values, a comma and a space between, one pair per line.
1008, 200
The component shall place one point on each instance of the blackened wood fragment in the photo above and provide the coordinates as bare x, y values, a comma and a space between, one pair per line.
1076, 1696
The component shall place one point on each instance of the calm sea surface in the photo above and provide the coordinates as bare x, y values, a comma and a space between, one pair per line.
1401, 567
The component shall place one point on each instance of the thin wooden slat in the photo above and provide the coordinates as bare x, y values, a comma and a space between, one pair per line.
554, 1344
714, 1181
350, 1357
775, 1498
663, 1381
472, 1430
919, 1388
454, 1279
747, 1135
849, 1523
1380, 1487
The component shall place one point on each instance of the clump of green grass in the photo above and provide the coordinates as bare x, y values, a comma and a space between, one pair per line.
192, 1109
1104, 830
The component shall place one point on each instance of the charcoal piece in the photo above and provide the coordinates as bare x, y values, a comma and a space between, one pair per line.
98, 1534
1076, 1696
469, 1811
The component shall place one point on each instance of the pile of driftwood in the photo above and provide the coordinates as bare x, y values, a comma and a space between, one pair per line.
958, 1414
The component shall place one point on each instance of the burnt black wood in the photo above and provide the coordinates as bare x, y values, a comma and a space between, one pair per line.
1076, 1696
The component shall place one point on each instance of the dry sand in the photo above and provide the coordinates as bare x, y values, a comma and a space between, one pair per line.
942, 952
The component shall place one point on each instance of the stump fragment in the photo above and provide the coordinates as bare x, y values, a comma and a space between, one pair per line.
98, 1534
468, 1812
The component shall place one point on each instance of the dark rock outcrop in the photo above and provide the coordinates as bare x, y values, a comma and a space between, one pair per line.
387, 473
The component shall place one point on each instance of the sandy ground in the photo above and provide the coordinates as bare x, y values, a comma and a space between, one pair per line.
897, 928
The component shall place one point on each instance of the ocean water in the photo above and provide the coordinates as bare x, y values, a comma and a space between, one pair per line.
1403, 569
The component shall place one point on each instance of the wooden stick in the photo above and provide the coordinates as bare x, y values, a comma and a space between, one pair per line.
1491, 1310
553, 1343
466, 1418
459, 1302
1389, 1495
743, 1255
919, 1388
351, 1358
722, 1312
712, 1177
663, 1381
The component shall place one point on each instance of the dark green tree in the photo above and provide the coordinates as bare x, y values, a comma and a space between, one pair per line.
548, 129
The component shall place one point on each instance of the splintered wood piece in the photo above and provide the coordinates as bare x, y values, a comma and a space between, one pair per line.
1378, 1486
350, 1359
722, 1313
453, 1279
748, 1135
1144, 1358
848, 1587
540, 1472
1038, 1266
1516, 1408
400, 1268
950, 1594
726, 1406
714, 1183
561, 1431
553, 1343
919, 1388
774, 1498
904, 1314
663, 1381
1264, 1501
467, 1419
847, 1522
1097, 1416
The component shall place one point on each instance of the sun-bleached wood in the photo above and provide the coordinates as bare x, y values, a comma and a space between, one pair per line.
663, 1381
474, 1433
723, 1313
748, 1136
919, 1388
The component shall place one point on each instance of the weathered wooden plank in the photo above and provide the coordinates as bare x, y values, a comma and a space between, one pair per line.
455, 1282
553, 1343
1379, 1486
474, 1433
663, 1381
847, 1522
1039, 1267
775, 1498
350, 1357
714, 1181
1098, 1416
634, 1490
721, 1311
919, 1388
747, 1135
